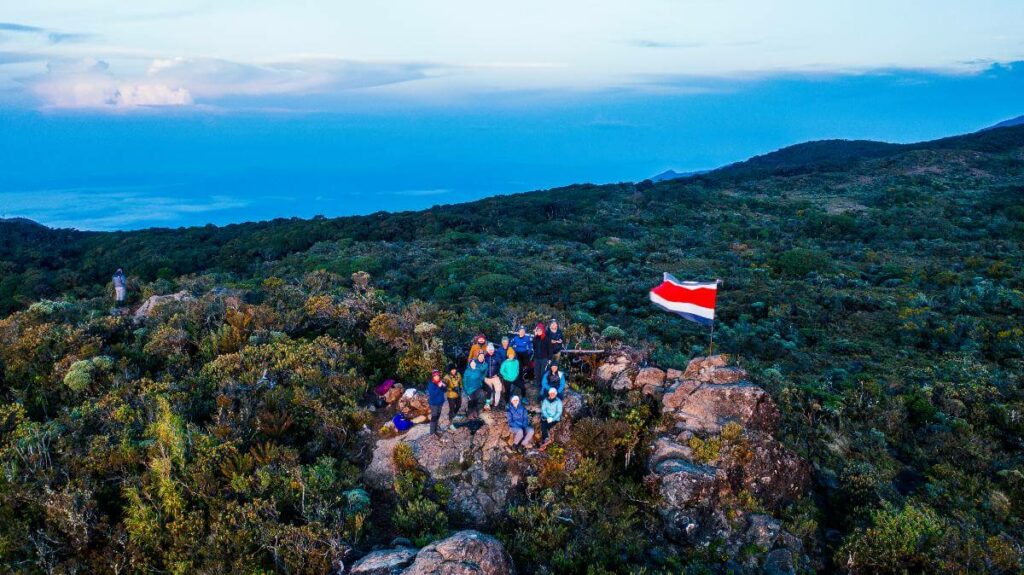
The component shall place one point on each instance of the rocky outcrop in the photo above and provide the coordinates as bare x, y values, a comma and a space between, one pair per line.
414, 404
149, 307
706, 407
464, 553
480, 467
719, 449
384, 562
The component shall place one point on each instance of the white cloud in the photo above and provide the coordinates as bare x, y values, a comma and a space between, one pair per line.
90, 84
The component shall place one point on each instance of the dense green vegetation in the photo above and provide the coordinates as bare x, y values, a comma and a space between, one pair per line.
875, 290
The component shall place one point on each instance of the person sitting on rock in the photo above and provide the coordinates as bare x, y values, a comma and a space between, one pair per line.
510, 374
435, 398
522, 344
493, 378
120, 287
453, 391
541, 356
553, 379
473, 384
506, 349
519, 423
479, 345
550, 415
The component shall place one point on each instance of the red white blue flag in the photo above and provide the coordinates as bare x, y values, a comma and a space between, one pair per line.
694, 301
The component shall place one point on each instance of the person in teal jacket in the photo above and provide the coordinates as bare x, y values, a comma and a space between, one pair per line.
473, 384
553, 379
510, 374
550, 415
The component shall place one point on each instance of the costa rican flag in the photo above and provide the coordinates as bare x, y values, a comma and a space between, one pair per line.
694, 301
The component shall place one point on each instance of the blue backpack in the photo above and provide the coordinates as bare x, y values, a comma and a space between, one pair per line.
401, 423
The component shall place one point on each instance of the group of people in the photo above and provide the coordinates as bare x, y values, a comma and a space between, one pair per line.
497, 372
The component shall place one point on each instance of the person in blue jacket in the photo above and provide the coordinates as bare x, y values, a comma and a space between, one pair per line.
473, 384
519, 423
553, 379
435, 398
493, 360
522, 344
550, 415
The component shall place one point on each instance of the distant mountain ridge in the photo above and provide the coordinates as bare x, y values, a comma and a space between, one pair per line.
1019, 120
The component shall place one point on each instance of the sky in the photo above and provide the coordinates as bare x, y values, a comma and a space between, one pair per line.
121, 115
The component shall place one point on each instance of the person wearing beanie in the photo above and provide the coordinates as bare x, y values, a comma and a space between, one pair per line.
541, 355
510, 374
453, 391
519, 423
492, 377
435, 398
550, 415
479, 344
506, 349
473, 384
522, 344
556, 338
554, 379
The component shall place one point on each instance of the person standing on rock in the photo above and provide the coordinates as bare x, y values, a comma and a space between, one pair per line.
120, 287
522, 344
554, 380
550, 415
510, 374
473, 384
519, 423
479, 345
506, 349
435, 398
541, 355
493, 377
453, 391
556, 339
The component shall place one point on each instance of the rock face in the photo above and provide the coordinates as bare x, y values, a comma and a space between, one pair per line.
464, 553
481, 468
707, 407
149, 307
702, 465
413, 403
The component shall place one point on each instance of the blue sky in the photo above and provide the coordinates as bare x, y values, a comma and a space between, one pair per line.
189, 112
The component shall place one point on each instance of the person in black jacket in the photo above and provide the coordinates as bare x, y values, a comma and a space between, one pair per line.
541, 354
556, 339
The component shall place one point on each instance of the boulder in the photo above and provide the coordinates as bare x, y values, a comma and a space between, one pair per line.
651, 381
702, 407
779, 562
465, 553
394, 394
385, 562
613, 367
149, 307
414, 403
380, 473
713, 369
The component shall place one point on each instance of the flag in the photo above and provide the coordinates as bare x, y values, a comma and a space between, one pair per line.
694, 301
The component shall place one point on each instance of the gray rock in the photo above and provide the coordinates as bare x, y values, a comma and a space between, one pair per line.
386, 562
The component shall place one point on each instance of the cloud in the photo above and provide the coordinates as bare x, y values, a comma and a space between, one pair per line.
215, 78
648, 43
111, 208
90, 84
52, 36
20, 57
12, 27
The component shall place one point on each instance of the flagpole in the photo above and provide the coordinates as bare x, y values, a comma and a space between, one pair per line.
711, 340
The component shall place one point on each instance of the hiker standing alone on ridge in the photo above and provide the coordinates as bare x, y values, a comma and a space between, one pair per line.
120, 287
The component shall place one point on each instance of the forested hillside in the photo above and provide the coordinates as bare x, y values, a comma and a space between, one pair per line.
874, 290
